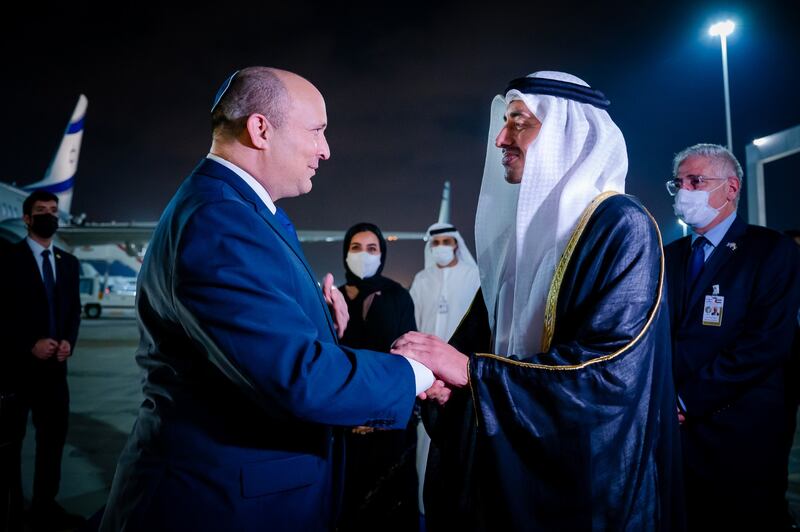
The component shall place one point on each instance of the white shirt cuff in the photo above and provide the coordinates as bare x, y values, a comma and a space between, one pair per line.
423, 377
683, 405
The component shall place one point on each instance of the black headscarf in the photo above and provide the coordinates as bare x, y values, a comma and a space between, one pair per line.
377, 281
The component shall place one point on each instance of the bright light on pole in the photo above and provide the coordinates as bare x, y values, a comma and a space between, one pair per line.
723, 29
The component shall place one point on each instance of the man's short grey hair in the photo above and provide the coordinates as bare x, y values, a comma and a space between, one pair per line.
253, 90
721, 154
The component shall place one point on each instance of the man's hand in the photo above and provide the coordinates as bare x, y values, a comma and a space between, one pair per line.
44, 348
438, 392
336, 301
64, 351
447, 363
681, 417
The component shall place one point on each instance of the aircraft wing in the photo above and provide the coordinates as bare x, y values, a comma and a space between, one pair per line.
139, 233
97, 234
337, 236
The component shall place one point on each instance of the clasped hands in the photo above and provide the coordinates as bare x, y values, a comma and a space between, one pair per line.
448, 365
47, 347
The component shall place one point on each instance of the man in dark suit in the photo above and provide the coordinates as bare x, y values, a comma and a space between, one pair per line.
244, 380
40, 316
734, 295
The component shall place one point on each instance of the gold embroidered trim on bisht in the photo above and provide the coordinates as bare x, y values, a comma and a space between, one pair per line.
561, 268
472, 392
570, 248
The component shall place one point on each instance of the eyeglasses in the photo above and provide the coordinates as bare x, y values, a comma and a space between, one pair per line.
696, 182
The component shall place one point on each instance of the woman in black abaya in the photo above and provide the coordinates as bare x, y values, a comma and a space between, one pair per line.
380, 477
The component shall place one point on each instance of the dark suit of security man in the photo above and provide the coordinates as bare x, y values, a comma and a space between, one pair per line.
40, 316
734, 295
244, 382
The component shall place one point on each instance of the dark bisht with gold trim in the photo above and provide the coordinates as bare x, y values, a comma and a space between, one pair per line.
583, 435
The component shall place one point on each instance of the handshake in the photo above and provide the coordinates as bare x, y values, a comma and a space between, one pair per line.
448, 365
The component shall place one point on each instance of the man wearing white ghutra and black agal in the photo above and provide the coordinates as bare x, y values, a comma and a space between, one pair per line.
555, 408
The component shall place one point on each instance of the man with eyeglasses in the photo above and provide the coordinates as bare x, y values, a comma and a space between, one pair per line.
733, 298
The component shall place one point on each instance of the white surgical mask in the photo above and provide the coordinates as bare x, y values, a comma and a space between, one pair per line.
363, 264
443, 255
692, 207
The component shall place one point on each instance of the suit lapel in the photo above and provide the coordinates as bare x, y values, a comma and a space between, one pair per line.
218, 171
678, 279
31, 278
721, 255
32, 268
294, 245
60, 276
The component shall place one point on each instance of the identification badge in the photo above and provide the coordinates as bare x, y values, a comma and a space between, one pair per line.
712, 310
442, 306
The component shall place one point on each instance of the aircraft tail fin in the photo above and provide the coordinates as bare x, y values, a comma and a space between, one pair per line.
444, 208
60, 176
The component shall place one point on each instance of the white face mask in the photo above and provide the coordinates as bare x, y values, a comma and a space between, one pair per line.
363, 264
692, 207
443, 255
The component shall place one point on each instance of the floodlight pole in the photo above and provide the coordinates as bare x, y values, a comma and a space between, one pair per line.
722, 30
724, 45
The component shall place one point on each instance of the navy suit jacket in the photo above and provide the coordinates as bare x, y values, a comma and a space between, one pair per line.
243, 378
24, 313
731, 377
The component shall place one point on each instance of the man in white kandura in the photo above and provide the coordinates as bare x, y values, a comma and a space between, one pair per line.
442, 293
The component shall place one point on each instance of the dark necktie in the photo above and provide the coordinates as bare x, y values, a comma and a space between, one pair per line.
696, 260
280, 214
50, 290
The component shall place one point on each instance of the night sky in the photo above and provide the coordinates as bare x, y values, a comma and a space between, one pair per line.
408, 91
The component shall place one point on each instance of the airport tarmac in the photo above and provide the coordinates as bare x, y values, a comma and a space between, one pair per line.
105, 389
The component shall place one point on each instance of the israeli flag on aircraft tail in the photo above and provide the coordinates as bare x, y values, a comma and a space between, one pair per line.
60, 176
